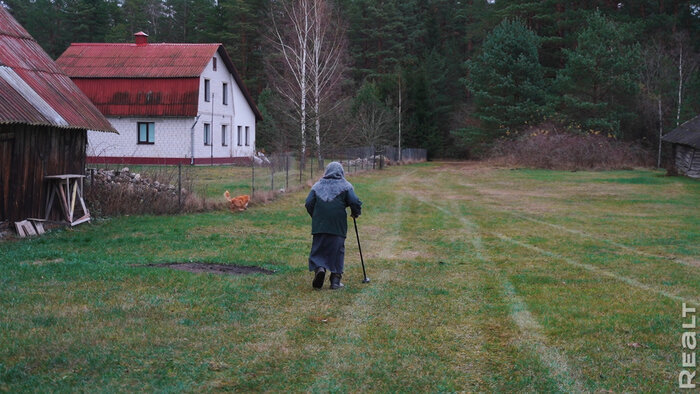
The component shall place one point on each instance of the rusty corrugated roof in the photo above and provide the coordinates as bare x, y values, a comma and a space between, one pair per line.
98, 60
34, 90
168, 61
142, 97
686, 134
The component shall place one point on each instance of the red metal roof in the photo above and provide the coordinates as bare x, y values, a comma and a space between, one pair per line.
34, 90
110, 62
143, 96
136, 61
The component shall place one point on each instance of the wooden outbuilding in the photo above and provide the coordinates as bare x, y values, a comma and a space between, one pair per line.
44, 118
685, 140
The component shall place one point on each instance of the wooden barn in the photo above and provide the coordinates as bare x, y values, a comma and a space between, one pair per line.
44, 118
685, 140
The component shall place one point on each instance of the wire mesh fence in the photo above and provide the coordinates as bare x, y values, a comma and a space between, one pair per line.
136, 189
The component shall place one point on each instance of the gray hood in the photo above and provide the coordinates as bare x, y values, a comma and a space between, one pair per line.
332, 183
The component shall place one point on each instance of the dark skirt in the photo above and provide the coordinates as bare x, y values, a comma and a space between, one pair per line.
327, 251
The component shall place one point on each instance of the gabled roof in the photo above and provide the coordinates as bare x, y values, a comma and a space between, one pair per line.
34, 90
686, 134
98, 60
141, 61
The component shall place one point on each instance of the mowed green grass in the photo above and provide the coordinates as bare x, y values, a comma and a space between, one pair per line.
483, 279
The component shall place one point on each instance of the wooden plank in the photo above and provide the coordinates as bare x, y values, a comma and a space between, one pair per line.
83, 219
64, 201
20, 230
64, 176
39, 227
25, 228
82, 203
72, 204
28, 228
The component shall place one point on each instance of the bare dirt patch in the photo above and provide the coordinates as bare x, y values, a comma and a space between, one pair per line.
214, 268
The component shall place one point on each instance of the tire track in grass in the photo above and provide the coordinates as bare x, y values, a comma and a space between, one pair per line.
589, 267
605, 240
532, 336
355, 314
597, 270
522, 215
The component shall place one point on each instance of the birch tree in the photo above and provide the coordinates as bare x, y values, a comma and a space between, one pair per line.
292, 24
687, 64
328, 52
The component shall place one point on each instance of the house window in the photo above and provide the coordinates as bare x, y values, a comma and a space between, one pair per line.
224, 139
240, 140
207, 134
206, 90
146, 132
213, 63
247, 136
224, 94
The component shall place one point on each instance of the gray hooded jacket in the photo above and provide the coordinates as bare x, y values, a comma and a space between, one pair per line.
327, 201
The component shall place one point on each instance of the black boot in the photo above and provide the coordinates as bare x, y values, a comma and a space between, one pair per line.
319, 276
335, 281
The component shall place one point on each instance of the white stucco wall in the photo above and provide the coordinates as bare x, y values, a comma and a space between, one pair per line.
236, 113
172, 139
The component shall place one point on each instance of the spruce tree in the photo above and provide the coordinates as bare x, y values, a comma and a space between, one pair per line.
507, 80
600, 81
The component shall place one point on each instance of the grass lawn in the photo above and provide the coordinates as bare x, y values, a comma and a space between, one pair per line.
483, 279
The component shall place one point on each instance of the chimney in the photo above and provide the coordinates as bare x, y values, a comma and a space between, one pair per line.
141, 39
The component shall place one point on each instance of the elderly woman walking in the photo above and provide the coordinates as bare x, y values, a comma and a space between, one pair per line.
326, 203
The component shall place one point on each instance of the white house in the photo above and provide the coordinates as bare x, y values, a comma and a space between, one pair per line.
170, 103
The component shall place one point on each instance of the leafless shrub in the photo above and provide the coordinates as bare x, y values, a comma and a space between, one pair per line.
114, 193
548, 146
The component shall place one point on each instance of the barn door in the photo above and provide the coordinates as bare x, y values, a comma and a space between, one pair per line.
6, 142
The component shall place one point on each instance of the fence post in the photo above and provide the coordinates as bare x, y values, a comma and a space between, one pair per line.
179, 186
252, 182
286, 162
272, 176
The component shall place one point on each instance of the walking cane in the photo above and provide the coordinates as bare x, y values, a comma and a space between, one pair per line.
366, 279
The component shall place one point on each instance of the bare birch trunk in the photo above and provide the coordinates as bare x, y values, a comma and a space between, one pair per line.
661, 129
327, 49
303, 40
317, 43
292, 42
680, 85
399, 114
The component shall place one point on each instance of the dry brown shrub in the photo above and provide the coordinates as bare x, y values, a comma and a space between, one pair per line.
551, 147
114, 193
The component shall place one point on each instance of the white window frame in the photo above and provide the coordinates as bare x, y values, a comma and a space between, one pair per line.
207, 134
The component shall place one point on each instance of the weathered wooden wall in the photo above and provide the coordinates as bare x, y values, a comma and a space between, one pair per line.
27, 154
687, 161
